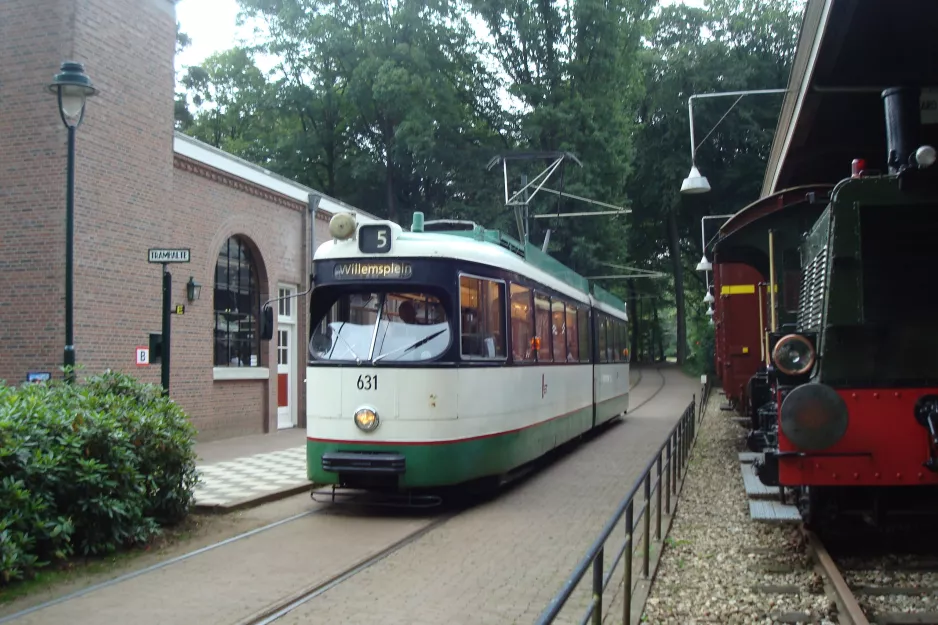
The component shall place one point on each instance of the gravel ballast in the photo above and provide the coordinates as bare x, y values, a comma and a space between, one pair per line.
718, 565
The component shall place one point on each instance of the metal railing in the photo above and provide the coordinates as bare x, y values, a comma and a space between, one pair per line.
675, 451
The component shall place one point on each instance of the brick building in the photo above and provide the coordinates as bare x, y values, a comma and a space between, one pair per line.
140, 185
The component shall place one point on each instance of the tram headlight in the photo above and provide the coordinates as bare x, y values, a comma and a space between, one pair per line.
366, 419
793, 355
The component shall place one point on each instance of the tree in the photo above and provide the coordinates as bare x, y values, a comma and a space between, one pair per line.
405, 95
729, 45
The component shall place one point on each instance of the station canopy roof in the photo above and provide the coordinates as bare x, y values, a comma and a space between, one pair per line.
850, 51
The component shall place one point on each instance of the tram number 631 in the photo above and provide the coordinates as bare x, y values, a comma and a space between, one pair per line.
367, 382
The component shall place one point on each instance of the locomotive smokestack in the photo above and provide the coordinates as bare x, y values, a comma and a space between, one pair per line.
902, 125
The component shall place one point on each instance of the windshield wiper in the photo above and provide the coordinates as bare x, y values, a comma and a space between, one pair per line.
338, 334
410, 347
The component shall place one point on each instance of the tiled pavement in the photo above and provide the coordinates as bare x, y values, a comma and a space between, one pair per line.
251, 479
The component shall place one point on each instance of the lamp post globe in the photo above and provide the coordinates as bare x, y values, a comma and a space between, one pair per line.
72, 88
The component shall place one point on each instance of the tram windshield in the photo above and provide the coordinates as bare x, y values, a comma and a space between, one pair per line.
376, 327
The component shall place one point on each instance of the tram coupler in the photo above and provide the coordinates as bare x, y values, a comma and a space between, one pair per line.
338, 495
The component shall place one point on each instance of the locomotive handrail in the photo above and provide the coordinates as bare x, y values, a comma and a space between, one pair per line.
676, 448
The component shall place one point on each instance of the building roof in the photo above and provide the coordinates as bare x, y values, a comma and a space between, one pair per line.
206, 154
848, 53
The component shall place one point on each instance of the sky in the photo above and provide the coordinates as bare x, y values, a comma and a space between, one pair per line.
211, 25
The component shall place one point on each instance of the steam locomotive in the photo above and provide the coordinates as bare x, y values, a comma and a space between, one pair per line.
843, 397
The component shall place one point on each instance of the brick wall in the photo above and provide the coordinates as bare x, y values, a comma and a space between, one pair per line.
208, 210
124, 178
35, 37
132, 193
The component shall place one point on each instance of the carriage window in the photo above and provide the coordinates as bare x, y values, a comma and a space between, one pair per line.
405, 327
522, 324
558, 329
573, 346
482, 322
583, 320
542, 326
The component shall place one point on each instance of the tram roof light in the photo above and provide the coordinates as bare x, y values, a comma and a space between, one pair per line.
342, 226
704, 264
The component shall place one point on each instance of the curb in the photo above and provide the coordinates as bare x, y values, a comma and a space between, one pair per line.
254, 500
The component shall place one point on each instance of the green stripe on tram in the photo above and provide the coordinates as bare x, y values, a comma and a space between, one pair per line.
460, 461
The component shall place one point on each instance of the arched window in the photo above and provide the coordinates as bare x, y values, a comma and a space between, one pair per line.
237, 304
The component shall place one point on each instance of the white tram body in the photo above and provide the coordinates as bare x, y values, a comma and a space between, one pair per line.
438, 358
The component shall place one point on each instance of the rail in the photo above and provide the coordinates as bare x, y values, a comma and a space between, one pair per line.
676, 451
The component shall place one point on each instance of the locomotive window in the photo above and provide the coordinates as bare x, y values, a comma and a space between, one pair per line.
558, 323
573, 331
406, 327
522, 324
542, 326
482, 318
583, 329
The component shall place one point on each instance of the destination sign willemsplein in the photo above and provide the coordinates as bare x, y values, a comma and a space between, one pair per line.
357, 270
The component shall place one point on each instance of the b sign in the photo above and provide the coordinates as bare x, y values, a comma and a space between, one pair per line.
143, 356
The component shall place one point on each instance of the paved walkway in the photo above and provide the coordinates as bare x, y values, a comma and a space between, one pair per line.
250, 470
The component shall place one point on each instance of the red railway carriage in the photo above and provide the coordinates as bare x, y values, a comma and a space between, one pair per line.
737, 340
741, 277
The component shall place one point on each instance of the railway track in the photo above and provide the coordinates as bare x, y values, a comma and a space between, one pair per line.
285, 606
156, 567
887, 589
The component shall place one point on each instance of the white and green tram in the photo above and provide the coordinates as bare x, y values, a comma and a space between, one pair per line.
451, 353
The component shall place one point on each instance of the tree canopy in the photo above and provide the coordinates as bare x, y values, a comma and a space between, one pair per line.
397, 107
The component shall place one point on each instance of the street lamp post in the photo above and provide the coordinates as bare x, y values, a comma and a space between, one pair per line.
72, 87
696, 182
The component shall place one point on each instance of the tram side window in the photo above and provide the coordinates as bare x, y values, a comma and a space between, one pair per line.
583, 327
522, 324
612, 340
542, 326
601, 330
573, 332
482, 322
620, 350
558, 329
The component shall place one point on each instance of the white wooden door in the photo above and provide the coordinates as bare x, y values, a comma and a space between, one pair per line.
286, 359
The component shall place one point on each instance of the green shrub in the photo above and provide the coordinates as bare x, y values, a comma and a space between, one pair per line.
88, 469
